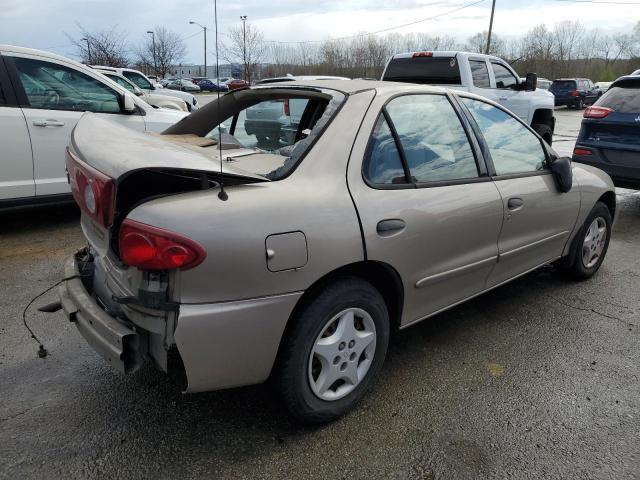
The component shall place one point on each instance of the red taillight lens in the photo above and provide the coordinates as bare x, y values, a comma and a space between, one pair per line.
92, 190
582, 151
286, 107
152, 248
595, 111
423, 54
575, 93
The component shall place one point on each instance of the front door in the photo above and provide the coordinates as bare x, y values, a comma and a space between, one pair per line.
538, 218
506, 90
427, 208
55, 97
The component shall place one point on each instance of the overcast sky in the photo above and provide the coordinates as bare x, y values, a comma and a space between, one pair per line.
43, 23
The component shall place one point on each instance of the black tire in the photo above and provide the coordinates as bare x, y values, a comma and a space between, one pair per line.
544, 131
573, 264
293, 371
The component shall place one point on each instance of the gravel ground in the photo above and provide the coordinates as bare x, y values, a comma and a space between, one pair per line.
537, 379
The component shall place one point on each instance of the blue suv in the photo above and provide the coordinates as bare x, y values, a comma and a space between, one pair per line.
574, 92
610, 134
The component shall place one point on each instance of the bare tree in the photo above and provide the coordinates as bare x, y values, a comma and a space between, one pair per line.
245, 46
478, 43
106, 47
170, 49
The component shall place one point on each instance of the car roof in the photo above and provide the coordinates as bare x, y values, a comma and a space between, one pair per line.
356, 86
627, 80
447, 53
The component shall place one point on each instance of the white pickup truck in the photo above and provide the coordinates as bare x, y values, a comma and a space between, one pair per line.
484, 75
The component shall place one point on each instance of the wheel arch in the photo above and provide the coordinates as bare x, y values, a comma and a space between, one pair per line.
544, 116
609, 199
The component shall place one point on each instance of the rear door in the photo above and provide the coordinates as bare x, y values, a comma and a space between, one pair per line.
54, 95
426, 205
16, 162
538, 218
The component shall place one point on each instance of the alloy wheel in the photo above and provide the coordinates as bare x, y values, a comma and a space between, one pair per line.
594, 241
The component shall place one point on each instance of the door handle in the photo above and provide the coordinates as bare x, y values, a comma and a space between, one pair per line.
515, 203
48, 123
390, 226
502, 99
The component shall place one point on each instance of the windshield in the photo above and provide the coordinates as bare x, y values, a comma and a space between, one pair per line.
267, 131
623, 99
429, 70
563, 85
121, 81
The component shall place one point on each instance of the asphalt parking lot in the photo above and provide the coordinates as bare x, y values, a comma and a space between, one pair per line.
537, 379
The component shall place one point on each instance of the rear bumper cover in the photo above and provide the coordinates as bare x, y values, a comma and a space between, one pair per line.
623, 172
116, 341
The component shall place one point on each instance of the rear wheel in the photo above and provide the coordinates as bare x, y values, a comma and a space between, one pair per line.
334, 351
590, 245
544, 131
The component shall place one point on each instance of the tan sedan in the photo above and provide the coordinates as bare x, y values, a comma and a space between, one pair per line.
234, 262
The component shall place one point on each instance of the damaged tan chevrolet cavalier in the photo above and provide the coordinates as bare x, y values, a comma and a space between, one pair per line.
377, 206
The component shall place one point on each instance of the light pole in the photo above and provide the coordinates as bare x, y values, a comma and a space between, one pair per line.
493, 8
155, 65
205, 44
88, 49
244, 46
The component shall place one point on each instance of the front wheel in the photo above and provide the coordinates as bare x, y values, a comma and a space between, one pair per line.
591, 245
334, 351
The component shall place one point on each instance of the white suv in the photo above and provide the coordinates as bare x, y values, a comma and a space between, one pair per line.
42, 97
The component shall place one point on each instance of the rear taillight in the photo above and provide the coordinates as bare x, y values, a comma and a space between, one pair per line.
594, 111
286, 107
151, 248
422, 54
575, 93
92, 190
580, 152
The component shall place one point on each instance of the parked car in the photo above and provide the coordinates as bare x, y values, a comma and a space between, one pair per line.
42, 97
636, 72
609, 137
236, 83
210, 86
485, 75
574, 92
166, 81
147, 86
543, 83
183, 85
158, 101
400, 202
603, 86
298, 78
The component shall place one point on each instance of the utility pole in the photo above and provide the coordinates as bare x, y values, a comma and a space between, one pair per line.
155, 65
493, 8
244, 46
205, 44
88, 49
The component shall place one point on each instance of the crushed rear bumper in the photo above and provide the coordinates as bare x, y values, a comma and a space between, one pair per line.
114, 339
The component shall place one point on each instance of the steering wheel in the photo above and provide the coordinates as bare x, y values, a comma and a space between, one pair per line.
51, 98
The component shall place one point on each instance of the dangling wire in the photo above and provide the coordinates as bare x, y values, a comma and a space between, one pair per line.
222, 195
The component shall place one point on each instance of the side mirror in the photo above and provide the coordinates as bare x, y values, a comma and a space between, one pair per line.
530, 82
128, 105
138, 92
562, 172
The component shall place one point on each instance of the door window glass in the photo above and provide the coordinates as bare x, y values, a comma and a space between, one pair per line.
513, 147
432, 138
504, 78
383, 165
56, 87
122, 82
480, 73
138, 79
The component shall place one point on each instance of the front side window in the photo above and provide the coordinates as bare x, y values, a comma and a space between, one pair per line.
138, 79
434, 143
56, 87
504, 77
513, 147
383, 164
480, 73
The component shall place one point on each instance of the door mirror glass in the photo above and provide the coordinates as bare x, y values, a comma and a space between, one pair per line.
531, 82
128, 105
561, 169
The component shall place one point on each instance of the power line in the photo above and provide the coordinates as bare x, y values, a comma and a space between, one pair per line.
604, 2
462, 7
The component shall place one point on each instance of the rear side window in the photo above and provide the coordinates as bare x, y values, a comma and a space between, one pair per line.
621, 99
383, 165
504, 78
513, 147
480, 73
429, 70
53, 86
